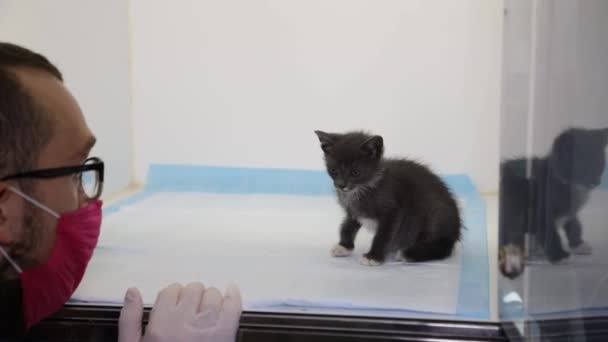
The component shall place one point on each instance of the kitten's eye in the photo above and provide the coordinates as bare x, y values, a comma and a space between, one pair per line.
355, 173
333, 172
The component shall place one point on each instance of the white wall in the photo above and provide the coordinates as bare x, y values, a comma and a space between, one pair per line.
516, 78
571, 85
88, 41
555, 71
245, 82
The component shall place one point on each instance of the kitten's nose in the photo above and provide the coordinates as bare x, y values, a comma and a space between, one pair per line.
340, 184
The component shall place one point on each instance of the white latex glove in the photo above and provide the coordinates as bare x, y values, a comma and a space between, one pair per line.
182, 314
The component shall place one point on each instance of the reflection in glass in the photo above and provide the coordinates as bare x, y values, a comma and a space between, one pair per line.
553, 241
540, 196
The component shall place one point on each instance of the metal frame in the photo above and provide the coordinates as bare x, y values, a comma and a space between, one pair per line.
99, 323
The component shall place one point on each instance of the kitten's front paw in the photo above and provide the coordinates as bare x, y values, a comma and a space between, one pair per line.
399, 257
367, 261
511, 261
340, 251
582, 249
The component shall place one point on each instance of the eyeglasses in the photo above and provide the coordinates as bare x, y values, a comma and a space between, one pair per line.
89, 176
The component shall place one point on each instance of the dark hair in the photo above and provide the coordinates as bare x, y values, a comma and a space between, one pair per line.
24, 127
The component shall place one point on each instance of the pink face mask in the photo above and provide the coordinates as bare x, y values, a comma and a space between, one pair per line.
46, 288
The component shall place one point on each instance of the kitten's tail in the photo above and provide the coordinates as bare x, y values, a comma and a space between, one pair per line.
433, 250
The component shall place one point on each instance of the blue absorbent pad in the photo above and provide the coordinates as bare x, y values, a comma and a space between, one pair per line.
271, 232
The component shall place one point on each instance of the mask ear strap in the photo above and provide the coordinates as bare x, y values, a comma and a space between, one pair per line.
34, 202
10, 260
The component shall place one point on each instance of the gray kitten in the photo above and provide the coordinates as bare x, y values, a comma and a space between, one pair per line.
410, 208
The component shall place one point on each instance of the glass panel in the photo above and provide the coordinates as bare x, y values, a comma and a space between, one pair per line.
233, 175
554, 193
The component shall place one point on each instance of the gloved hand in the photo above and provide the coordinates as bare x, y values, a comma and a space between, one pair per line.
182, 314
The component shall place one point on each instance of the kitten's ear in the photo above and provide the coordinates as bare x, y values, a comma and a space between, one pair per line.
327, 140
374, 146
600, 136
605, 134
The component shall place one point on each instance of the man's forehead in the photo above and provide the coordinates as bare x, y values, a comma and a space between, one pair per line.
71, 134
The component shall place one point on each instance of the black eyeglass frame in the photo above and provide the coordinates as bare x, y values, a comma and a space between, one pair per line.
91, 164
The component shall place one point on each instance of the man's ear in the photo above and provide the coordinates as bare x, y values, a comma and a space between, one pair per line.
327, 140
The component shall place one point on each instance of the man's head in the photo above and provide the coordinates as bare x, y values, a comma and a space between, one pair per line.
41, 126
578, 156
